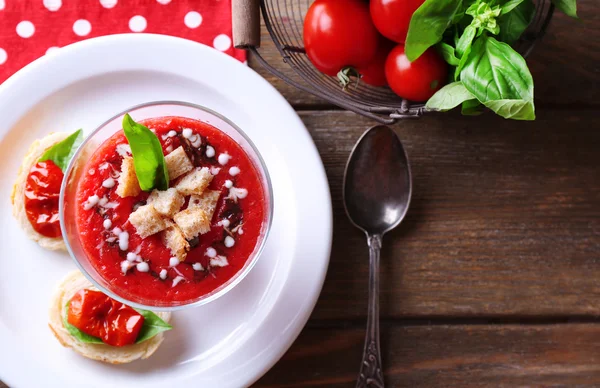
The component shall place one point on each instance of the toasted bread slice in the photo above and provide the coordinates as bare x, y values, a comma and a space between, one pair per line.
207, 202
174, 239
192, 222
195, 181
167, 202
36, 150
72, 283
128, 181
178, 163
147, 221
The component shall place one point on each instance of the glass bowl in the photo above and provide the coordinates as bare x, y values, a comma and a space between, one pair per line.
73, 174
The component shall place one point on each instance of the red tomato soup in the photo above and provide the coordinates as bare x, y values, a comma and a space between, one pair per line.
143, 268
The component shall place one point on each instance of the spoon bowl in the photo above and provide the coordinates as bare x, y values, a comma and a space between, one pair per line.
378, 182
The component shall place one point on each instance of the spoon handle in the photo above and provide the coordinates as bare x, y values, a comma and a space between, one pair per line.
371, 374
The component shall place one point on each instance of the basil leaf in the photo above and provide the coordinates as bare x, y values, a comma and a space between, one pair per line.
510, 5
471, 108
496, 74
449, 97
462, 62
148, 157
455, 35
513, 24
75, 332
447, 52
465, 41
427, 25
567, 6
62, 152
153, 325
512, 109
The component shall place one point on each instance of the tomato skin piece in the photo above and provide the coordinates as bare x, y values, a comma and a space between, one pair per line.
123, 325
339, 33
42, 191
392, 17
98, 315
374, 73
415, 81
88, 311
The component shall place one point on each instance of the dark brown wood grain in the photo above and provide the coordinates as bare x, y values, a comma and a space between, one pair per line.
565, 64
505, 218
447, 356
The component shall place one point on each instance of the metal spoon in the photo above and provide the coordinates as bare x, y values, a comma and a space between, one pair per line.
377, 191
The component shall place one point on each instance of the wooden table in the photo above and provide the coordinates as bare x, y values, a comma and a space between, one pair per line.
494, 277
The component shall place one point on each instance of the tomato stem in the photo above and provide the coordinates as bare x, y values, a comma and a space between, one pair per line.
345, 76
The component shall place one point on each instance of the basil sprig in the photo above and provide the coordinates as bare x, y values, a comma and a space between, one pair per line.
148, 157
62, 152
488, 72
152, 325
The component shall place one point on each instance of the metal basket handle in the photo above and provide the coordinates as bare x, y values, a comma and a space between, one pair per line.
246, 23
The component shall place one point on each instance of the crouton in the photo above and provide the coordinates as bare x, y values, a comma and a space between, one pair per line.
167, 202
128, 182
178, 163
174, 240
207, 202
194, 182
147, 221
192, 222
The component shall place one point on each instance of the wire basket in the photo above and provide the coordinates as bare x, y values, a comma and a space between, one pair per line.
284, 19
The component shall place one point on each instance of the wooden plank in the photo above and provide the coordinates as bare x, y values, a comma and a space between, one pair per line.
505, 218
565, 64
447, 356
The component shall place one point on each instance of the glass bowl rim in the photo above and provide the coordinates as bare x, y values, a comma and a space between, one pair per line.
225, 287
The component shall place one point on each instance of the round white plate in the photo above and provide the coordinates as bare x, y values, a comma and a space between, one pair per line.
230, 342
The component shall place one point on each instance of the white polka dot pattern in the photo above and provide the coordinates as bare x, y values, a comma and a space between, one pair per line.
44, 27
192, 19
222, 42
137, 23
52, 5
82, 27
51, 50
25, 29
108, 3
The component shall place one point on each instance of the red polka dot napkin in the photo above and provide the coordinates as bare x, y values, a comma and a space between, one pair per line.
32, 28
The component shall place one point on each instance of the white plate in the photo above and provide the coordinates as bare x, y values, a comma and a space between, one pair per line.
228, 343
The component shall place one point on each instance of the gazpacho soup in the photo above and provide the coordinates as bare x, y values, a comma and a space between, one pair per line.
176, 245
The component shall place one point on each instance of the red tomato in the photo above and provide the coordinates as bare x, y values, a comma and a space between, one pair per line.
339, 33
392, 17
374, 72
88, 311
42, 190
418, 80
100, 316
123, 325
